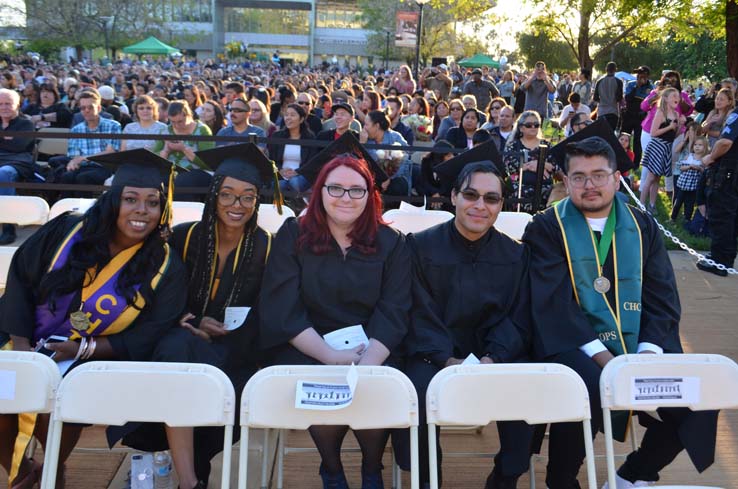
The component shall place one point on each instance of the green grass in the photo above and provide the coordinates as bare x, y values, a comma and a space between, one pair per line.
663, 215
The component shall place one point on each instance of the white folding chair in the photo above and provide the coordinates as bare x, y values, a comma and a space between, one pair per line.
23, 210
512, 223
384, 398
113, 393
706, 382
79, 206
28, 384
412, 222
52, 147
269, 218
479, 394
186, 212
6, 256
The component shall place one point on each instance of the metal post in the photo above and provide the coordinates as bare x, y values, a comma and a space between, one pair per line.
419, 35
386, 51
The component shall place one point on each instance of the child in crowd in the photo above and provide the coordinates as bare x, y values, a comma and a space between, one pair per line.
624, 140
690, 171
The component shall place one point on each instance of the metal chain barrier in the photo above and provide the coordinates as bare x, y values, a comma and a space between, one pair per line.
670, 235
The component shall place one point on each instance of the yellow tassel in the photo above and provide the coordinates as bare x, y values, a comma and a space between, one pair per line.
166, 214
278, 198
26, 426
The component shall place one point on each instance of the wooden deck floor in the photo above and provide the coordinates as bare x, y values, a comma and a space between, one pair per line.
709, 325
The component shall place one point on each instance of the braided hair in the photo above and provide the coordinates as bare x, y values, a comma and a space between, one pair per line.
206, 252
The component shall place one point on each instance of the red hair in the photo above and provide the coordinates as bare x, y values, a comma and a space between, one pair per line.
314, 232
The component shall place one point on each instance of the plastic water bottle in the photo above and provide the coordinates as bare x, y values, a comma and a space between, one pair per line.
162, 470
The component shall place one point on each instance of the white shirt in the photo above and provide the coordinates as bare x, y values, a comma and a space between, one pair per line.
569, 110
291, 158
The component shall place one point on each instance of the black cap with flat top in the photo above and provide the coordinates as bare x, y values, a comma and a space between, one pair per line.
347, 143
245, 162
448, 171
600, 128
137, 168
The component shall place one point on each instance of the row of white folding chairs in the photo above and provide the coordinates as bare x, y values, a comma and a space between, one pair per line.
111, 393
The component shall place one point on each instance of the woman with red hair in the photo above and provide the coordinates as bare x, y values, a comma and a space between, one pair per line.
339, 265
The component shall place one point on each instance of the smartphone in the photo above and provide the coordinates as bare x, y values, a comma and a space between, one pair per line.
41, 347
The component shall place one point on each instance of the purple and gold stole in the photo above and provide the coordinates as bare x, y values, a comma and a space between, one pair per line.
108, 312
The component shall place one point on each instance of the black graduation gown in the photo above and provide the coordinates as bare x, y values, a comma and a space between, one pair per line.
330, 292
32, 260
234, 353
468, 297
560, 325
238, 349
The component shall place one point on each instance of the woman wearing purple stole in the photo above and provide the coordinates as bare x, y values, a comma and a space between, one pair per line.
106, 281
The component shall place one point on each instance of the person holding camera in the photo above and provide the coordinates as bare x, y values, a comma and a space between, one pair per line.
536, 88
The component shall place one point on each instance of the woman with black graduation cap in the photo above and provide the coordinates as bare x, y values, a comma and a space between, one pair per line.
106, 280
225, 254
339, 265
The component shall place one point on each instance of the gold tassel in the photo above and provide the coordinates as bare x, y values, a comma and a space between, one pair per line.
26, 426
166, 215
278, 198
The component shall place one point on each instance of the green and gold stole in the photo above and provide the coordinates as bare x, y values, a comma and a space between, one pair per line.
617, 328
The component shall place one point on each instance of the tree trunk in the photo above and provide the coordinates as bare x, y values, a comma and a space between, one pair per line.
731, 36
585, 60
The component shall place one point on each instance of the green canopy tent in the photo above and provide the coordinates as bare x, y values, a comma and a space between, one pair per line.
150, 46
479, 60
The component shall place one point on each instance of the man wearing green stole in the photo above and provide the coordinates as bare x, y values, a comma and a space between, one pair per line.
602, 285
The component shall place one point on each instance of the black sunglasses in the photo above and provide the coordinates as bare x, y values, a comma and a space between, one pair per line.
472, 196
530, 125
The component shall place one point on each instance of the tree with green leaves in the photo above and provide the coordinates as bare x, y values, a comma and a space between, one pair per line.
591, 28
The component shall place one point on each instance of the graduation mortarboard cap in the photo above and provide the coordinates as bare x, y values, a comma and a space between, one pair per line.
142, 169
448, 171
245, 162
347, 143
136, 168
600, 128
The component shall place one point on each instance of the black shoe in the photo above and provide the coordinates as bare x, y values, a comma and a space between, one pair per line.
702, 265
8, 235
495, 480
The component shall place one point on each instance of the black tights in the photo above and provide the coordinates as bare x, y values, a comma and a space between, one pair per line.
328, 440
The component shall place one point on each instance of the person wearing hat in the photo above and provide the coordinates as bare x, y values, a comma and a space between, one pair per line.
636, 92
456, 259
107, 281
343, 118
483, 90
602, 285
225, 254
337, 266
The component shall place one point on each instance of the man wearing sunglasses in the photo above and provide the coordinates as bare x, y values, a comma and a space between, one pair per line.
239, 112
470, 300
602, 285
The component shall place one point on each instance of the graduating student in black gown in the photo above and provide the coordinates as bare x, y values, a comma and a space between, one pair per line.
470, 296
338, 266
137, 293
225, 254
566, 328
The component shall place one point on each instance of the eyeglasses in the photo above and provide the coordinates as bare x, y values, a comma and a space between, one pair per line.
472, 195
495, 107
530, 125
597, 179
457, 108
228, 199
337, 192
239, 111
